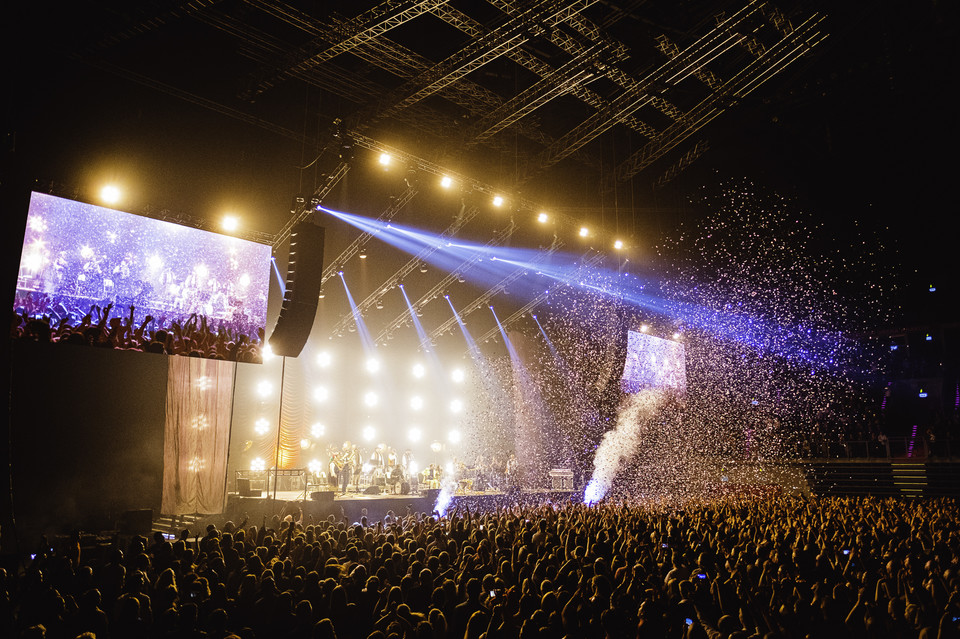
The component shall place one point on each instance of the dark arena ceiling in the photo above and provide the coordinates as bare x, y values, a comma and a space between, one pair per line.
604, 112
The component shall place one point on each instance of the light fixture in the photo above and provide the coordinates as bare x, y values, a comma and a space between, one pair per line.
317, 430
458, 375
644, 328
230, 223
416, 402
453, 436
369, 432
497, 200
110, 194
456, 406
418, 370
363, 255
370, 399
446, 181
436, 447
384, 159
321, 394
373, 365
264, 388
584, 231
618, 244
542, 218
324, 359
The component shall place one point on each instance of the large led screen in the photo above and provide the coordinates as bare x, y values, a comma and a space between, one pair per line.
78, 255
653, 362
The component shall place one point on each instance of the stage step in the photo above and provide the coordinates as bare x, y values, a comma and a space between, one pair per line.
173, 524
910, 477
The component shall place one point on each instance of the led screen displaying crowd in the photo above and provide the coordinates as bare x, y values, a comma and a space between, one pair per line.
78, 255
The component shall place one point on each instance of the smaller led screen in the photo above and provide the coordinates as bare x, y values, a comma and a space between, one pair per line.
653, 362
78, 255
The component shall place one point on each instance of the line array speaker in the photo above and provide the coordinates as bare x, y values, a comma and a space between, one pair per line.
304, 272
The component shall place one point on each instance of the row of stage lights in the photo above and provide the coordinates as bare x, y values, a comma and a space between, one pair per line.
498, 201
112, 195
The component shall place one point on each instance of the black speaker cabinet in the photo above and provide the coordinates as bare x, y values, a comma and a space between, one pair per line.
372, 490
304, 272
323, 496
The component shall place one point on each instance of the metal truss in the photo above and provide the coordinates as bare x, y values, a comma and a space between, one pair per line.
543, 14
474, 29
710, 46
691, 156
308, 206
364, 28
795, 44
406, 64
361, 240
532, 304
451, 278
414, 263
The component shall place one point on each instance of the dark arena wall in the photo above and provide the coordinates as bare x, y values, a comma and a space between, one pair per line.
86, 435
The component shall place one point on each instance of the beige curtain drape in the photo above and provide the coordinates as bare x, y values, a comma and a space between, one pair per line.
197, 435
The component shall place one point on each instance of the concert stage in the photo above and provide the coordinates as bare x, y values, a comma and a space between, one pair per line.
352, 505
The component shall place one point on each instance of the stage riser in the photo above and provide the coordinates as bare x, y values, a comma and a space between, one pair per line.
377, 508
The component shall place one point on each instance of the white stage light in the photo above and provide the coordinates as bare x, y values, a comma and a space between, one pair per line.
436, 447
324, 359
644, 328
304, 443
230, 223
370, 399
266, 353
384, 159
317, 430
446, 181
373, 365
456, 406
261, 426
449, 467
453, 436
264, 388
542, 218
676, 335
458, 375
618, 244
413, 468
315, 466
257, 464
110, 194
369, 432
418, 370
414, 434
321, 393
416, 402
497, 201
245, 280
584, 231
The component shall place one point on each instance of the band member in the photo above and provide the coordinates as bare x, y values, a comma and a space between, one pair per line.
346, 467
392, 459
376, 458
333, 466
407, 461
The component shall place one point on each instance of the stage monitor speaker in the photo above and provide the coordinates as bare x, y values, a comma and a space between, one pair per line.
324, 496
404, 488
304, 272
243, 485
136, 522
431, 495
372, 490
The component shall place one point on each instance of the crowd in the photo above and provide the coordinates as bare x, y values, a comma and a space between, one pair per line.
735, 568
193, 337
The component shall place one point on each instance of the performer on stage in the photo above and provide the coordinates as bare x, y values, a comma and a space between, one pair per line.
346, 466
333, 466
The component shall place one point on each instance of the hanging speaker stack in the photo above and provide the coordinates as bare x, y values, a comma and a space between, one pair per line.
304, 272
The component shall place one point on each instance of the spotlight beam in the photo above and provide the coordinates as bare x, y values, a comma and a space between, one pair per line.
445, 283
362, 331
361, 240
406, 269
